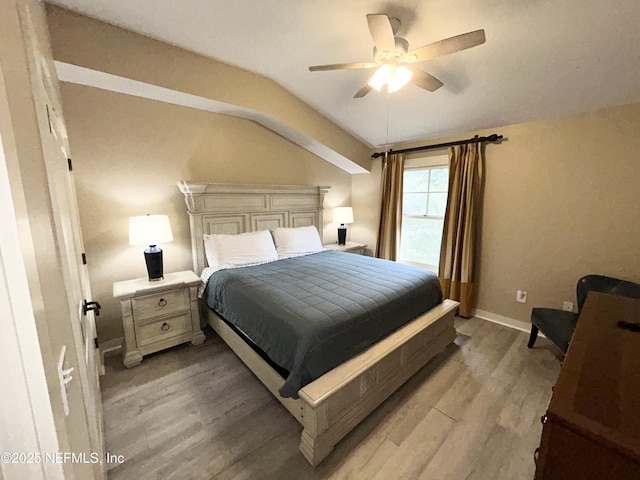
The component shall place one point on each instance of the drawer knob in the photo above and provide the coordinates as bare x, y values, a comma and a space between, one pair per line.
543, 419
165, 326
162, 303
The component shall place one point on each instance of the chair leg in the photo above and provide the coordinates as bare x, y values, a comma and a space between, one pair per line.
533, 336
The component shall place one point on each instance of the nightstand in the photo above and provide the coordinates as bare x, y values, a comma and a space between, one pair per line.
158, 315
350, 247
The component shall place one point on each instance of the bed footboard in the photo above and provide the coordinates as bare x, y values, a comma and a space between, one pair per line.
343, 397
331, 406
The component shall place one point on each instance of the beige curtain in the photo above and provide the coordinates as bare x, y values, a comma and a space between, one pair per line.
458, 250
388, 242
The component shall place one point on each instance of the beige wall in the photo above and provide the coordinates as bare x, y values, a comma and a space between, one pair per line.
365, 200
128, 154
561, 201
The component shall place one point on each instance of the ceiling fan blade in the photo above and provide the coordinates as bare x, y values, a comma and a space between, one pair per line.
366, 88
381, 32
446, 46
341, 66
424, 80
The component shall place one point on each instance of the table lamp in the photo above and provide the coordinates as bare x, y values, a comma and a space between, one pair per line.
151, 230
342, 215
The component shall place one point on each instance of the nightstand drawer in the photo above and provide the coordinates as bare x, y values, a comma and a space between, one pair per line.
151, 332
162, 303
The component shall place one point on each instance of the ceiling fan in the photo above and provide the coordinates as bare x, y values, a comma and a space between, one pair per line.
393, 59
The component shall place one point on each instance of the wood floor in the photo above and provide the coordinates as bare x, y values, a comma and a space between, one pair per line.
198, 413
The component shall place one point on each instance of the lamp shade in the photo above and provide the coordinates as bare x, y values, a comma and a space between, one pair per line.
343, 215
149, 230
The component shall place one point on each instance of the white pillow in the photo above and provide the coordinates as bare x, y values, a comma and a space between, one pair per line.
230, 251
297, 241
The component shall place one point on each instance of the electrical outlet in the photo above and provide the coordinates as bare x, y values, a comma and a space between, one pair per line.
521, 296
567, 306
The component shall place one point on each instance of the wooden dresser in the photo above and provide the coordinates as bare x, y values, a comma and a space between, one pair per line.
592, 427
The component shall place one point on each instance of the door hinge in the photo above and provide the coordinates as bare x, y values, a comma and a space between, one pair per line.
70, 164
84, 258
95, 342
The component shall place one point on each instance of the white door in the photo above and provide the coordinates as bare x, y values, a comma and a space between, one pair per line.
25, 416
56, 153
80, 300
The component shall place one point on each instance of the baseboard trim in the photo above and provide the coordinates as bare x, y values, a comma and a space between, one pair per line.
111, 347
505, 321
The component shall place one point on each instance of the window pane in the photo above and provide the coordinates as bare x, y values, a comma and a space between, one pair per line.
437, 204
414, 204
416, 180
421, 238
439, 179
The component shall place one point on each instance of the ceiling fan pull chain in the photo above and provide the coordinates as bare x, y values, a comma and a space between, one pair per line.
386, 140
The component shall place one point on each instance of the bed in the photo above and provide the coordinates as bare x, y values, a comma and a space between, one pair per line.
334, 403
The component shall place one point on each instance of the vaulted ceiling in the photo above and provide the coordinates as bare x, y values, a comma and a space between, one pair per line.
542, 58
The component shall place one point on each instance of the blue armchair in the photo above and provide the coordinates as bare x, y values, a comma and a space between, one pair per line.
558, 325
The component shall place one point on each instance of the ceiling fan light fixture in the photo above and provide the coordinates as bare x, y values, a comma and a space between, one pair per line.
399, 79
395, 77
390, 52
381, 77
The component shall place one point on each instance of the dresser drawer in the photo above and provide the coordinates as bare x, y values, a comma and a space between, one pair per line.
163, 303
155, 331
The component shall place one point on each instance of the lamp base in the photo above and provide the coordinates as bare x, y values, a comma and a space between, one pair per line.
342, 234
153, 258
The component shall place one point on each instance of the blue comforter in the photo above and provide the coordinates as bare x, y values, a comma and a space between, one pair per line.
309, 314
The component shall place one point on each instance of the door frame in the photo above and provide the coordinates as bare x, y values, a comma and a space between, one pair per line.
26, 414
40, 261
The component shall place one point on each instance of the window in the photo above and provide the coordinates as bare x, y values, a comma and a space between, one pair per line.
424, 200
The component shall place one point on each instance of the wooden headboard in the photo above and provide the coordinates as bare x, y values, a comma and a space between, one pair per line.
227, 208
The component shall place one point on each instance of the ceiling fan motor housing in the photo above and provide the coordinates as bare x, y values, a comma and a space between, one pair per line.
402, 47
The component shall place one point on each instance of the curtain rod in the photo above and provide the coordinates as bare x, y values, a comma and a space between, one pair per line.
491, 138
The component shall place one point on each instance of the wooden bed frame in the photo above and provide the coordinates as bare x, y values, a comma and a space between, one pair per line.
331, 406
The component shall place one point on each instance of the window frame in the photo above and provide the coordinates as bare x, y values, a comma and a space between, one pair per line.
428, 192
424, 163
